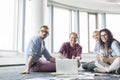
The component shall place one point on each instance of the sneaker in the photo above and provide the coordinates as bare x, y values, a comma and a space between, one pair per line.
118, 71
99, 70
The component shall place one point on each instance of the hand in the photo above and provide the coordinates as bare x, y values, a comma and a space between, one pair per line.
105, 59
52, 59
99, 57
78, 57
73, 57
25, 72
103, 54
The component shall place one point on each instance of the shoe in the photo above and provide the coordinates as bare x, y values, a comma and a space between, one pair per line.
118, 71
100, 70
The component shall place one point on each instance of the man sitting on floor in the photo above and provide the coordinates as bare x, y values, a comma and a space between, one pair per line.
34, 52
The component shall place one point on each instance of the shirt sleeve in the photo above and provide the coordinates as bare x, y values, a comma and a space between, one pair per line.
79, 51
46, 54
62, 48
97, 48
33, 47
116, 48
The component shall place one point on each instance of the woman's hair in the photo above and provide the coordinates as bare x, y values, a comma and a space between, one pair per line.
110, 38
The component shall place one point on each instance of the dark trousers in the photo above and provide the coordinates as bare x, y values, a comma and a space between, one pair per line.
43, 66
89, 66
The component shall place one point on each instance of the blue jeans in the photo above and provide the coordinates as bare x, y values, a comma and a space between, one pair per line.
89, 66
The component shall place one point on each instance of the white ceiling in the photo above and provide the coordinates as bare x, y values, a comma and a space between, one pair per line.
112, 1
107, 6
107, 1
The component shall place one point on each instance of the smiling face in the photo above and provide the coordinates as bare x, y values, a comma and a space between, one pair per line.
73, 39
44, 32
96, 35
104, 36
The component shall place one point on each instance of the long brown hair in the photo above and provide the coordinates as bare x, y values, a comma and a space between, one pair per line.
110, 38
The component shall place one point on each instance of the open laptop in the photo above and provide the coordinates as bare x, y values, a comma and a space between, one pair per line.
66, 66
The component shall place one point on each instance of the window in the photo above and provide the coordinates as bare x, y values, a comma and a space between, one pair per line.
112, 23
61, 27
83, 31
48, 39
66, 21
92, 27
7, 24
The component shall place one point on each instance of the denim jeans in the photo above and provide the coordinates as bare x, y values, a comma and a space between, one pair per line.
89, 66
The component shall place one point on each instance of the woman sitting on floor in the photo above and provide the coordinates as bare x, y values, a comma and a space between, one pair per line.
109, 58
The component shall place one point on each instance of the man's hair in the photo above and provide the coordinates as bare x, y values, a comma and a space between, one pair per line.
73, 33
44, 26
96, 32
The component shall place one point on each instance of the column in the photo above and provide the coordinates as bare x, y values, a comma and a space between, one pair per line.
35, 16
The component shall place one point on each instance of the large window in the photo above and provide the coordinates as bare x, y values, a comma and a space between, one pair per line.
7, 24
66, 20
92, 27
83, 31
61, 27
49, 38
113, 23
87, 26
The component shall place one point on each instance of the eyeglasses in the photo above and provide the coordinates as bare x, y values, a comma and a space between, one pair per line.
44, 31
103, 35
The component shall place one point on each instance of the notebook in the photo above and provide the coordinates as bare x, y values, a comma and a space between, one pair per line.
66, 66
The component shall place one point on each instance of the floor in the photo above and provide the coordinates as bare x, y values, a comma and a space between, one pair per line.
13, 73
8, 58
12, 63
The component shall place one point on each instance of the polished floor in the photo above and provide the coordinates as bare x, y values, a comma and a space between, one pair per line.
12, 63
8, 58
13, 73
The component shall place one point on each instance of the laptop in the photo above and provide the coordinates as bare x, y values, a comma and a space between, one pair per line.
66, 66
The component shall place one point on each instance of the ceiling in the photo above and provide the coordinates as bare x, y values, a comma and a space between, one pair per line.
106, 6
107, 1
